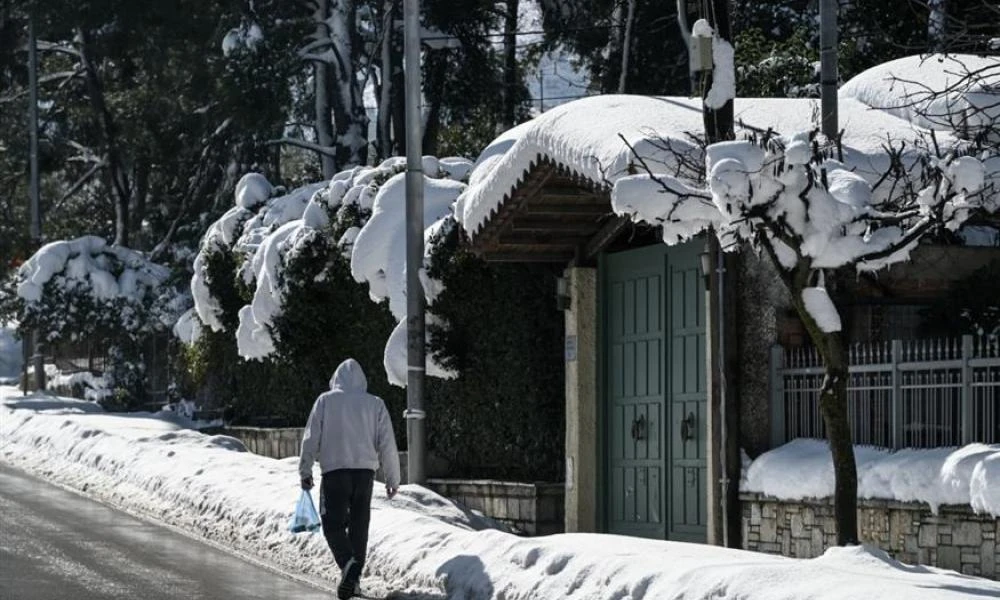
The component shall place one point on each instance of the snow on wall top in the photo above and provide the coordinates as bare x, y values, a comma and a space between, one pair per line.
956, 92
586, 137
803, 468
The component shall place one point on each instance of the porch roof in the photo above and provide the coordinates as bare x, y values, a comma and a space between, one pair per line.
540, 191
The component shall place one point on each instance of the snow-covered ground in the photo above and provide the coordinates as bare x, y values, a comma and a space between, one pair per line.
420, 542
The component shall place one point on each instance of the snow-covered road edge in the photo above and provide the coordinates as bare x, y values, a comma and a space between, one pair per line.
419, 541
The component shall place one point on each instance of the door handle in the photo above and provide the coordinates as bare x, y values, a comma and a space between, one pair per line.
687, 427
639, 428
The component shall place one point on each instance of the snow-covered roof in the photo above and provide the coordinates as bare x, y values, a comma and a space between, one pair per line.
942, 92
586, 137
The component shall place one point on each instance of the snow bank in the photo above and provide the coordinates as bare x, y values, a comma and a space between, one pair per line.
586, 137
419, 542
955, 92
803, 468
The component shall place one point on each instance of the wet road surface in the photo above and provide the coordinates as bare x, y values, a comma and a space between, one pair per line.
55, 544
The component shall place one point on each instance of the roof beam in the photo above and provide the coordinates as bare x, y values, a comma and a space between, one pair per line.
607, 234
551, 226
529, 257
545, 208
532, 239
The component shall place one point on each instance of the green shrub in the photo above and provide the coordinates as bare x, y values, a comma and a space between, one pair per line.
503, 417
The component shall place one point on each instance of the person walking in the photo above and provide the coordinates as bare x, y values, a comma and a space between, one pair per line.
350, 433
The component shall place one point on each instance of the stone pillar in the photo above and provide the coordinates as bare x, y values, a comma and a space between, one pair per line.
581, 401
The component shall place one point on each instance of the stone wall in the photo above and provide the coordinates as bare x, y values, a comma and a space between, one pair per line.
268, 441
528, 508
956, 538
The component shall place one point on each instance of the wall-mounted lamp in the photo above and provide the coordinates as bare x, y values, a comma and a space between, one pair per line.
562, 293
706, 268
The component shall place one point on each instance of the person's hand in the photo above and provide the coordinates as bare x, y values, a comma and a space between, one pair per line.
307, 483
390, 491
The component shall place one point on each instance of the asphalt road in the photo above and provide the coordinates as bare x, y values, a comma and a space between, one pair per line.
56, 545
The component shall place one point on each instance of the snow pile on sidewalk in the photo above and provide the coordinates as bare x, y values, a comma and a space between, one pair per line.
803, 468
419, 541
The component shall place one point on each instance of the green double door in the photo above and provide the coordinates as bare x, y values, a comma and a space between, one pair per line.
654, 392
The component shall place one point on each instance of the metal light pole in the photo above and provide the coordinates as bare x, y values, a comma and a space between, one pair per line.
415, 359
38, 358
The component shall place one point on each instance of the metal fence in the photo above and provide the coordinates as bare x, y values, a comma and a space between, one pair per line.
901, 394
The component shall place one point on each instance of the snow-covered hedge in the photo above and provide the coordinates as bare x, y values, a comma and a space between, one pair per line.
363, 207
85, 290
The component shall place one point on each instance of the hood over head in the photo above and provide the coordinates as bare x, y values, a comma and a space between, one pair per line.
349, 378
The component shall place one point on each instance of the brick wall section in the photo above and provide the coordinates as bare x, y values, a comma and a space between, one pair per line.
528, 508
956, 538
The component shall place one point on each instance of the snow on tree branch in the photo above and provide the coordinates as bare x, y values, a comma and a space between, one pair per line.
809, 208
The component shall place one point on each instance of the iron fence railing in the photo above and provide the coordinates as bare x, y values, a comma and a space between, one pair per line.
901, 394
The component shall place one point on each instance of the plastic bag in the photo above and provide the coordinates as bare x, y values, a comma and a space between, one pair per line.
305, 517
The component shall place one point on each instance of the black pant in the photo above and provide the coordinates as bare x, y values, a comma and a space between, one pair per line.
345, 506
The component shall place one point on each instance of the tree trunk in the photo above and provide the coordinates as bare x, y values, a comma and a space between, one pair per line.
626, 46
323, 87
437, 71
384, 126
833, 407
397, 96
509, 65
119, 183
349, 117
616, 41
140, 191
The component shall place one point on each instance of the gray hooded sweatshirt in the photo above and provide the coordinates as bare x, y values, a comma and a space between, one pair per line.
349, 428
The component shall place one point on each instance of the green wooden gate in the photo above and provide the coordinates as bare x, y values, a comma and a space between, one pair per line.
653, 374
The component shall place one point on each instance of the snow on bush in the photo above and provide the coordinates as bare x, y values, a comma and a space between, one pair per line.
420, 544
803, 469
84, 289
267, 235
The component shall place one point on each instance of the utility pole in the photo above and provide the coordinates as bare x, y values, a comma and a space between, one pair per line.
718, 121
828, 67
38, 359
710, 50
415, 359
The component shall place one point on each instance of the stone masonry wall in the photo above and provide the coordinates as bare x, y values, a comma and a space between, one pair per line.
270, 442
956, 538
528, 508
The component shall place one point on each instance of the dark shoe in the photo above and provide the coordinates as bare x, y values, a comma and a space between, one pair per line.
349, 580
